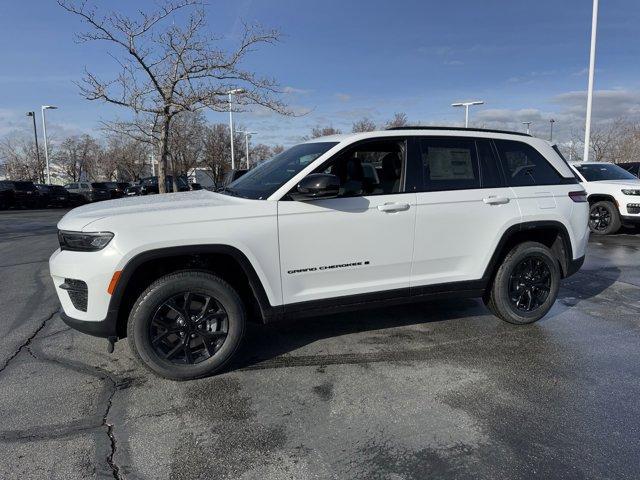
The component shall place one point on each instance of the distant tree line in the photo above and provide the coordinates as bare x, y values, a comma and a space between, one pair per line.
123, 156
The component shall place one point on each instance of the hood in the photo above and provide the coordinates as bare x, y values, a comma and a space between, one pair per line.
79, 218
629, 183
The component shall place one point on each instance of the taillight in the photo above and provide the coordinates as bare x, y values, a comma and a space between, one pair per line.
579, 196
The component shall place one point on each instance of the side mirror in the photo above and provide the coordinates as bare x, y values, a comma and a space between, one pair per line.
316, 186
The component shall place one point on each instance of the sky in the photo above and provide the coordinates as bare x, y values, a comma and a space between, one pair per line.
338, 61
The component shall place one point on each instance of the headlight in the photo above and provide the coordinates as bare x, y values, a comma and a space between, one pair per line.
83, 242
631, 192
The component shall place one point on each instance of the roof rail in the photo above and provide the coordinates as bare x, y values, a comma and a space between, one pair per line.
461, 129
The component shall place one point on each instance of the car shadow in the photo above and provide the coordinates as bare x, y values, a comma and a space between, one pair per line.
264, 343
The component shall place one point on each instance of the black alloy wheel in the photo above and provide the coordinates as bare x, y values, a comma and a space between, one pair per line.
599, 218
188, 328
529, 284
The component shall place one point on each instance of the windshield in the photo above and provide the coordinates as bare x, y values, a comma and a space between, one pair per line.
267, 177
605, 171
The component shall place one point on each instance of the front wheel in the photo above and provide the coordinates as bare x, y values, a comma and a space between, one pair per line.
526, 285
604, 218
186, 325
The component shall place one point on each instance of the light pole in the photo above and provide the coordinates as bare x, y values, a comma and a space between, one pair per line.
592, 62
466, 106
44, 131
528, 124
246, 140
35, 134
235, 91
551, 122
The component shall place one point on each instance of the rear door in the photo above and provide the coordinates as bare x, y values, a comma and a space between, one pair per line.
463, 206
358, 243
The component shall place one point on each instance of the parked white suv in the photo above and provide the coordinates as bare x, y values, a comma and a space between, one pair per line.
335, 223
613, 194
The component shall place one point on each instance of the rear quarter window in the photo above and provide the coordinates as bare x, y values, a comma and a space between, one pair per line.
525, 166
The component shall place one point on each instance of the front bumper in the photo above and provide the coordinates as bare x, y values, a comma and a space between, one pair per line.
104, 328
574, 265
630, 219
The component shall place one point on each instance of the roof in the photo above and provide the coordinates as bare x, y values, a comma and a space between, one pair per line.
458, 129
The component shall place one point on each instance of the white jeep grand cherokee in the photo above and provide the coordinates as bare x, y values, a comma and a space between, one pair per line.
613, 194
340, 222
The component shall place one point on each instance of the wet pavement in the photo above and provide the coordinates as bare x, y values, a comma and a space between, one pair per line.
437, 390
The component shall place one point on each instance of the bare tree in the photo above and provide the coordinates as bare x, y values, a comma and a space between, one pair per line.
130, 156
259, 153
398, 120
277, 149
20, 159
169, 69
216, 151
363, 125
319, 131
78, 156
186, 142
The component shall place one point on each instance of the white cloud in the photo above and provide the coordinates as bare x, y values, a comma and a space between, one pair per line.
343, 97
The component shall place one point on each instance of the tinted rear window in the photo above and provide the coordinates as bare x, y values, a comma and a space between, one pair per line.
525, 166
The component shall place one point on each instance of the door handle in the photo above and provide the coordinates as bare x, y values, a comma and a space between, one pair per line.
495, 200
393, 207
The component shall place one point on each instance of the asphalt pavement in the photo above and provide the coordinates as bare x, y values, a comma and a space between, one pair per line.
437, 390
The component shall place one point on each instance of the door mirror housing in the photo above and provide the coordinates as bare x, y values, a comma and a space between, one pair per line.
316, 186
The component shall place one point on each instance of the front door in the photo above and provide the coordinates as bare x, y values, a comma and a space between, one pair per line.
360, 242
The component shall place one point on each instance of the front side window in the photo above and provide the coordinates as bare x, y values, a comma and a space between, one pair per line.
370, 168
593, 172
263, 180
449, 164
525, 166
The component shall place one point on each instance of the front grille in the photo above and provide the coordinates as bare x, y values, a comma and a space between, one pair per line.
78, 293
633, 208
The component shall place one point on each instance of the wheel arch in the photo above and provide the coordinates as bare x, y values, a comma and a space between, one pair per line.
601, 197
551, 233
228, 262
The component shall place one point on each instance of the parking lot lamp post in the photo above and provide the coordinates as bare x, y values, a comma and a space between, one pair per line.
44, 132
551, 122
247, 135
528, 124
235, 91
592, 62
35, 134
466, 106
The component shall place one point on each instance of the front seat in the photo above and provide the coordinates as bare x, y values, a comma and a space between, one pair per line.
391, 171
351, 176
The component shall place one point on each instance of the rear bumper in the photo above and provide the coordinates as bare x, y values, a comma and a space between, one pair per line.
574, 265
103, 328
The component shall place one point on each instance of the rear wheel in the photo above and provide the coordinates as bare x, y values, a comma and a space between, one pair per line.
525, 285
186, 325
604, 218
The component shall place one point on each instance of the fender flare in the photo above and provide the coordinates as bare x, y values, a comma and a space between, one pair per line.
529, 226
267, 311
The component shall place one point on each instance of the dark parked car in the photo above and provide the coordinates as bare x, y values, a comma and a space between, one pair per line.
195, 186
6, 194
116, 189
149, 185
25, 193
133, 190
53, 195
631, 167
92, 192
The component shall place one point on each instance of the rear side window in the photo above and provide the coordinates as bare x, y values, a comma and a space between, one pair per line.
449, 164
490, 175
525, 166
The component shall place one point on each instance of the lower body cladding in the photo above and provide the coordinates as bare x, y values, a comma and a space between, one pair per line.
107, 326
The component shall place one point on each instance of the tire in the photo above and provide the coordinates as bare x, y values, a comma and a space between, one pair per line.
604, 218
171, 344
512, 291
